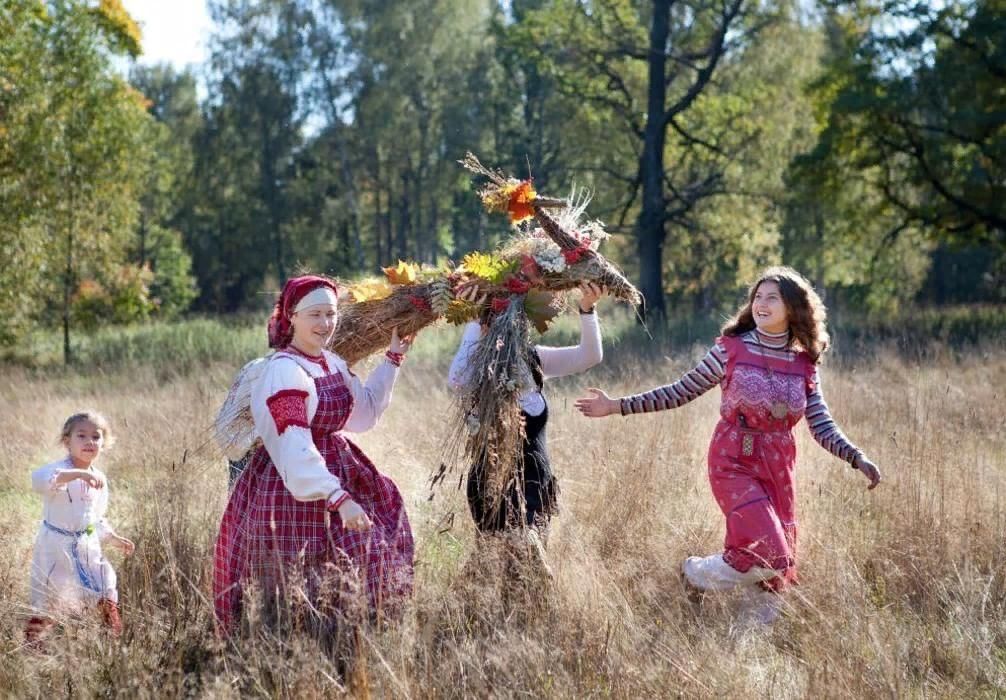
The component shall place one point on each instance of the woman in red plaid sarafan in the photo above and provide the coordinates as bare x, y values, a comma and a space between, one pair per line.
311, 524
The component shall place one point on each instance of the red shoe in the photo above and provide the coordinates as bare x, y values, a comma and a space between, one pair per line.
109, 610
35, 630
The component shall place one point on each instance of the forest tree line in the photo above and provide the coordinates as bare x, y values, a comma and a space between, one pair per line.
862, 142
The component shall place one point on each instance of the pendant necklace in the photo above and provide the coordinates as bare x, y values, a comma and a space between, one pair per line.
778, 408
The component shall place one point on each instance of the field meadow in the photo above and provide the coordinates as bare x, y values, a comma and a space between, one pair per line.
902, 589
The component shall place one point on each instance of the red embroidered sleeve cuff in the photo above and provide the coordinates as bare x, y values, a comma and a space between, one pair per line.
336, 499
288, 407
395, 358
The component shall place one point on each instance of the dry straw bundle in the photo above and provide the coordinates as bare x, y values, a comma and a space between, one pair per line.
557, 255
365, 326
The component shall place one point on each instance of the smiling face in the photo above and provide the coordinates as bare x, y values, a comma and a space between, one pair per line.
769, 309
84, 443
313, 328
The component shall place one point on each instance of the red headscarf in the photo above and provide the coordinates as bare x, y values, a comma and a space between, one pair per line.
295, 289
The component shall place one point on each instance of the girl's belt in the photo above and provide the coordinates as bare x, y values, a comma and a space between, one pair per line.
85, 578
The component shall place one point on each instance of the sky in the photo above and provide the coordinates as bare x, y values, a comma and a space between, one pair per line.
175, 32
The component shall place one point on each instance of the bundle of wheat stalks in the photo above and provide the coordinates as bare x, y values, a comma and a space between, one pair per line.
365, 327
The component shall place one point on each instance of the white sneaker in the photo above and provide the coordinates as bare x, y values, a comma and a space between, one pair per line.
709, 573
713, 574
760, 608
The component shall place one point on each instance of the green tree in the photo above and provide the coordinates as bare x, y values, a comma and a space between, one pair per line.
25, 191
911, 152
646, 64
168, 188
73, 176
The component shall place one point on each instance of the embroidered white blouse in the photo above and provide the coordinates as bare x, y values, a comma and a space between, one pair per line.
73, 506
290, 375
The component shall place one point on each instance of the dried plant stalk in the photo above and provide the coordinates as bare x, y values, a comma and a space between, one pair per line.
488, 429
365, 326
591, 267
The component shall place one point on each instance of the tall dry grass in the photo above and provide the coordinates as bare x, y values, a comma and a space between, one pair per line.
902, 589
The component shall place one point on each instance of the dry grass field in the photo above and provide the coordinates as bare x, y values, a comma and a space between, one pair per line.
902, 589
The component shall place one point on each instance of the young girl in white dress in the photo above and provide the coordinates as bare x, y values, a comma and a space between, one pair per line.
69, 572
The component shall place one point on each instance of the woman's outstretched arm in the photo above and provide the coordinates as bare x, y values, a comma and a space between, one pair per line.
692, 384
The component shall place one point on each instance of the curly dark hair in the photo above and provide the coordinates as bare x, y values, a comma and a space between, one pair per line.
804, 309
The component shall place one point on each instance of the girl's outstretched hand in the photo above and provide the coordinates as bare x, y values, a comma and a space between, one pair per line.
869, 469
598, 405
125, 545
92, 479
85, 475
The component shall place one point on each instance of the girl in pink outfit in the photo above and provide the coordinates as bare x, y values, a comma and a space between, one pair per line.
766, 363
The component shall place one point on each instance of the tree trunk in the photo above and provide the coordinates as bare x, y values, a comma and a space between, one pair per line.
272, 198
143, 238
378, 221
355, 252
389, 246
67, 290
402, 235
819, 253
434, 252
650, 233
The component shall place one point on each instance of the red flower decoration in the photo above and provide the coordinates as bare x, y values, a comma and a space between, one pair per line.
500, 304
420, 303
529, 268
516, 285
520, 207
573, 256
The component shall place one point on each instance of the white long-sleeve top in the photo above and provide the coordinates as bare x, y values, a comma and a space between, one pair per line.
289, 375
74, 506
69, 569
555, 362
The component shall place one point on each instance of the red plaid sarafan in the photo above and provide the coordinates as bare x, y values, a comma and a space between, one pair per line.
268, 538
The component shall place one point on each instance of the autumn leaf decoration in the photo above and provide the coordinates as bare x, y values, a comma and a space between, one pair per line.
461, 311
502, 194
488, 266
520, 208
370, 290
403, 273
541, 308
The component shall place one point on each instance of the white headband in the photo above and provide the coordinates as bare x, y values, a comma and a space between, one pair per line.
318, 295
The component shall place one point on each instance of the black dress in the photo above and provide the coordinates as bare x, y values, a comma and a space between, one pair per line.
532, 501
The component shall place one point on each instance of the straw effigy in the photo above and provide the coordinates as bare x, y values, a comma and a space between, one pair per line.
523, 283
487, 425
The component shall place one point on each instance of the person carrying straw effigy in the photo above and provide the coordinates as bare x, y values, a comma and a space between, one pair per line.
311, 524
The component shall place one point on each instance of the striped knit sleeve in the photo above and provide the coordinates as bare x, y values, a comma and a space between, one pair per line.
822, 425
695, 382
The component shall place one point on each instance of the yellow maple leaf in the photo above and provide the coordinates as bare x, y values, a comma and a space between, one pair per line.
404, 273
370, 290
